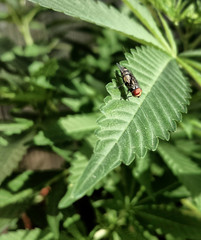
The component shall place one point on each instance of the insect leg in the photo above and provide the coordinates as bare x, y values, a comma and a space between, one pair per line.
119, 86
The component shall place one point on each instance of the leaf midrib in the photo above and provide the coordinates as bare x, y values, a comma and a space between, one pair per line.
137, 109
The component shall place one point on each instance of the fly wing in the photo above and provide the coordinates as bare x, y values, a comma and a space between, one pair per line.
120, 67
134, 82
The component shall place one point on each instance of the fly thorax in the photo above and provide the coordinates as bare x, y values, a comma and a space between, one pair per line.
127, 78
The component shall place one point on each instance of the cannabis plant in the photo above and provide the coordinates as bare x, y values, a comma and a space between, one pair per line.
132, 165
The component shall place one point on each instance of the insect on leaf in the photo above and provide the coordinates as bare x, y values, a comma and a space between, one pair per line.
129, 128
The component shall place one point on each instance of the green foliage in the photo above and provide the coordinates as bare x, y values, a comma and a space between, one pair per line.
12, 205
127, 122
166, 219
12, 154
75, 171
78, 126
109, 176
99, 14
182, 166
17, 127
26, 234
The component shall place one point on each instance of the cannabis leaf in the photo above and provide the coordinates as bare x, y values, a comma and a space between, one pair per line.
79, 125
129, 128
187, 171
98, 13
169, 220
12, 154
12, 205
18, 126
28, 234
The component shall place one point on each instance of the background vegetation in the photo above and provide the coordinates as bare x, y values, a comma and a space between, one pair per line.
58, 75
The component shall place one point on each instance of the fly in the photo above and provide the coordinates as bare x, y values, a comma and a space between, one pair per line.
130, 81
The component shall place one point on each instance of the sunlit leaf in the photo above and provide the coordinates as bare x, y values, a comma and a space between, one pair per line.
129, 128
98, 13
191, 53
146, 18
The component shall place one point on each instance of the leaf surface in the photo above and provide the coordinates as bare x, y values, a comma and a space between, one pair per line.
188, 172
169, 34
143, 14
11, 155
12, 205
169, 220
98, 13
34, 234
20, 124
190, 70
191, 53
129, 128
78, 164
79, 125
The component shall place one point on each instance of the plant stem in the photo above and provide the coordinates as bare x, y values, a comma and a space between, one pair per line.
23, 22
25, 30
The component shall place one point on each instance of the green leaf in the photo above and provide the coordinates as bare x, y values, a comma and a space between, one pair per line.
71, 219
4, 196
79, 125
78, 164
129, 128
42, 82
41, 140
18, 182
126, 235
182, 166
169, 34
12, 154
20, 125
73, 103
3, 142
194, 64
142, 172
98, 13
34, 234
146, 18
143, 231
34, 50
8, 199
191, 71
53, 214
191, 53
48, 69
167, 219
12, 205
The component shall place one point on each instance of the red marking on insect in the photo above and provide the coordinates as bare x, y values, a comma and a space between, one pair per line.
130, 81
137, 92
